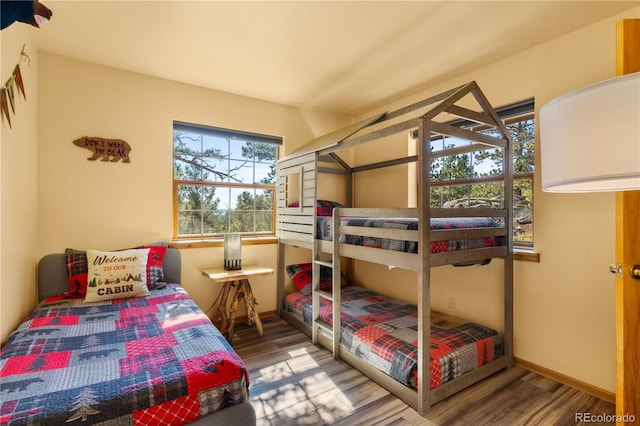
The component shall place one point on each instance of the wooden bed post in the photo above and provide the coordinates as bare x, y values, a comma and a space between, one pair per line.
507, 164
280, 279
424, 268
508, 260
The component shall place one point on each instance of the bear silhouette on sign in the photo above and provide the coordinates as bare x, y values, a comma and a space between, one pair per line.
106, 149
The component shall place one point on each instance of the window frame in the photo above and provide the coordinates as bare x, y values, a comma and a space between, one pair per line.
242, 136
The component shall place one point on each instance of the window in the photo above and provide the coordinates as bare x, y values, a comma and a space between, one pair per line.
223, 181
519, 121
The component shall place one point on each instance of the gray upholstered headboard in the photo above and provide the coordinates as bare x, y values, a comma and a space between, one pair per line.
52, 272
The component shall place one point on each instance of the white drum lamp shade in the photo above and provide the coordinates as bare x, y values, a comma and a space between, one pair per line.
590, 138
233, 251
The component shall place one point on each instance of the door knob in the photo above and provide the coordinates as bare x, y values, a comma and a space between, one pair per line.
635, 272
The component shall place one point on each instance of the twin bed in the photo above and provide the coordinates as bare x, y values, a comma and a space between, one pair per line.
420, 355
156, 359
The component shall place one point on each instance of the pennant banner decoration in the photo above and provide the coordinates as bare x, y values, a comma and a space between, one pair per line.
17, 75
5, 108
8, 93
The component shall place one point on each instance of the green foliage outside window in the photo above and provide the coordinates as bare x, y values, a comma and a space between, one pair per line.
487, 163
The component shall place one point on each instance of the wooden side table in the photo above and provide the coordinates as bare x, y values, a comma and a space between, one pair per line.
240, 280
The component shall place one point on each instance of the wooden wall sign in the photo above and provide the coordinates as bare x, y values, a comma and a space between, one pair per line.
105, 149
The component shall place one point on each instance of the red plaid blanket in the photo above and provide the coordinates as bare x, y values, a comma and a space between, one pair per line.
324, 232
383, 331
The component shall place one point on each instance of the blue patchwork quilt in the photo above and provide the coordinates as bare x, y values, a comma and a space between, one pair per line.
138, 361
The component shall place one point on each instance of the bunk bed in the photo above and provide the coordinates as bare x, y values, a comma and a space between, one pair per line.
398, 237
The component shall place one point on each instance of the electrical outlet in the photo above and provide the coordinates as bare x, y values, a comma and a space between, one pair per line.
451, 302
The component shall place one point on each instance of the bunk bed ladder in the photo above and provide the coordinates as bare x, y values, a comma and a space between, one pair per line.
332, 331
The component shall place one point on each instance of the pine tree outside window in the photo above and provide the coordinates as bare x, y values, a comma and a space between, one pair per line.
223, 181
519, 120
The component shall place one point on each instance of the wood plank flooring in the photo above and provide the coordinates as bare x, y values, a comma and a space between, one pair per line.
294, 382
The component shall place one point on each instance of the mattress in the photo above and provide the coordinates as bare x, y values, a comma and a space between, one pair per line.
324, 232
383, 332
147, 360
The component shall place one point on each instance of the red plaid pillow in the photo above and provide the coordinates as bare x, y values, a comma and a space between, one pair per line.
300, 274
155, 274
324, 207
77, 270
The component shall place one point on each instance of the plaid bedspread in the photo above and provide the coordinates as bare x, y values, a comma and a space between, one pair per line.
383, 332
148, 360
324, 232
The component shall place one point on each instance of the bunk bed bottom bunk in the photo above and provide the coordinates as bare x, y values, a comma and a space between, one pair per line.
379, 338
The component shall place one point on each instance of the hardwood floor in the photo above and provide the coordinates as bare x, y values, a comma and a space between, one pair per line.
294, 382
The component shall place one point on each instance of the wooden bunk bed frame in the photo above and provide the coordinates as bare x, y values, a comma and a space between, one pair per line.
297, 226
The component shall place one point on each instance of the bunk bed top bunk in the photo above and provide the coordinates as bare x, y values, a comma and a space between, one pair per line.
299, 220
410, 238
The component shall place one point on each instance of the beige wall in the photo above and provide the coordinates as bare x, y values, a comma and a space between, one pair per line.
564, 305
112, 205
53, 198
18, 173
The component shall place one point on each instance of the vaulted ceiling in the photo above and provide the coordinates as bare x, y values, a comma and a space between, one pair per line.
340, 56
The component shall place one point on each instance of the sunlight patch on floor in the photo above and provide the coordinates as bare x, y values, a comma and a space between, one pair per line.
299, 352
277, 401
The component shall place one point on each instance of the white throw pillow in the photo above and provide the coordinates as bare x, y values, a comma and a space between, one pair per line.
116, 274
